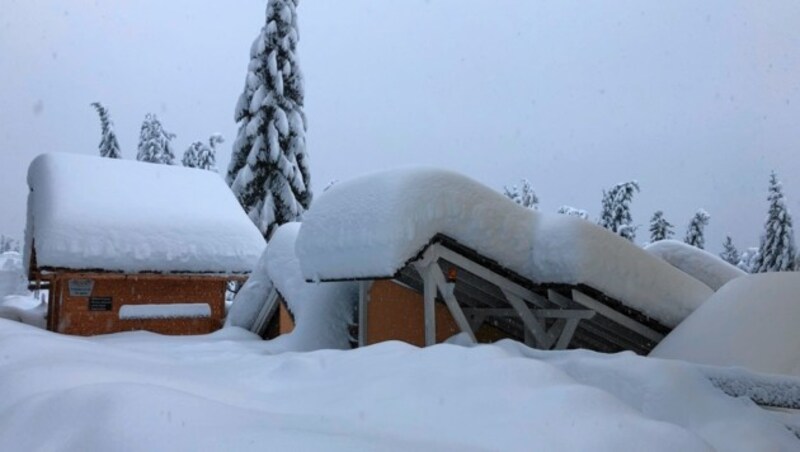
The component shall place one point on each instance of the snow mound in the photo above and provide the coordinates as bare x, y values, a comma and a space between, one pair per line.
390, 396
98, 213
251, 296
750, 322
25, 309
12, 276
372, 226
322, 312
708, 268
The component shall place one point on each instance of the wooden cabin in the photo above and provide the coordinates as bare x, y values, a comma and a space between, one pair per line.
451, 289
435, 254
123, 245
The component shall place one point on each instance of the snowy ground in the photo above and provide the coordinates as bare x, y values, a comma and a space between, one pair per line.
141, 391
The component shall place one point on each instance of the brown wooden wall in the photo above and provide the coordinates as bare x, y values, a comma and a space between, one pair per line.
285, 321
72, 315
396, 312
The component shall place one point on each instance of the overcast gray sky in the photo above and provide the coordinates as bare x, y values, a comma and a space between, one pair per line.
698, 101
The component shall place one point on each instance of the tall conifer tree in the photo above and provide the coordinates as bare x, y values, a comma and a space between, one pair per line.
776, 252
729, 252
695, 234
269, 170
660, 228
109, 146
523, 195
154, 142
615, 214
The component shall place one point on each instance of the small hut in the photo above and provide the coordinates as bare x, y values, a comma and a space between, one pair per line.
124, 245
434, 254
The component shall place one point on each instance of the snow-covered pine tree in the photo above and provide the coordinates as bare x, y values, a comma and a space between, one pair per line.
660, 228
109, 146
694, 232
207, 155
572, 211
269, 170
776, 252
190, 155
729, 252
524, 195
748, 259
616, 214
154, 142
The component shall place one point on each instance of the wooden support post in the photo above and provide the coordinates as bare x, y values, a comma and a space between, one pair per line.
611, 314
448, 293
363, 307
566, 334
532, 324
429, 295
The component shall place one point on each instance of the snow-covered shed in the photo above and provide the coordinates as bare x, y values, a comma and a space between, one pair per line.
124, 245
436, 254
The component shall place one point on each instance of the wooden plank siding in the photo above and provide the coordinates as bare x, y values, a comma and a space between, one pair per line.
396, 312
71, 314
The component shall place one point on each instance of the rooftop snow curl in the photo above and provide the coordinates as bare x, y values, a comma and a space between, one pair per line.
98, 213
702, 265
372, 226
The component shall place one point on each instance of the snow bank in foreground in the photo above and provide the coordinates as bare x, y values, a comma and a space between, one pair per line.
98, 213
750, 322
708, 268
322, 311
372, 226
149, 392
25, 309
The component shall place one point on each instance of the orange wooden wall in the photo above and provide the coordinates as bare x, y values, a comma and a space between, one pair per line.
396, 312
71, 314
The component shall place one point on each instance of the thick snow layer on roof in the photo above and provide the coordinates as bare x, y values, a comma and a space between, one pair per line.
150, 392
708, 268
99, 213
372, 226
322, 311
750, 322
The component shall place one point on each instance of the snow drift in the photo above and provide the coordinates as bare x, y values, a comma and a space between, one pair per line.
750, 322
99, 213
372, 226
12, 276
700, 264
322, 311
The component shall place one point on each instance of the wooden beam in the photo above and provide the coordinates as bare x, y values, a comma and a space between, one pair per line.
566, 334
265, 313
502, 282
429, 299
620, 318
364, 288
580, 314
532, 324
447, 291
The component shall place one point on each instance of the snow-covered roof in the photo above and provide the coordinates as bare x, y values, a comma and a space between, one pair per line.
372, 226
98, 213
700, 264
750, 322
